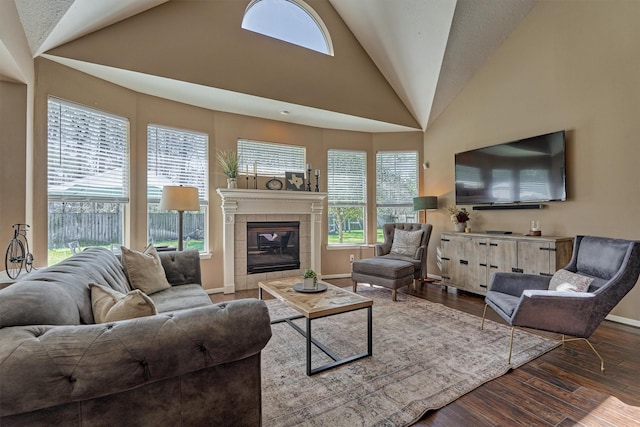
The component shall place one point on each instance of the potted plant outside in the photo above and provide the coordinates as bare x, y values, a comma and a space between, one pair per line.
310, 279
229, 161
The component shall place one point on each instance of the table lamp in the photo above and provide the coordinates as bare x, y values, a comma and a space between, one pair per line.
179, 198
424, 203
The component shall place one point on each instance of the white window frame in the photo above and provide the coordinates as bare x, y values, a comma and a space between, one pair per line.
396, 194
188, 171
87, 163
263, 29
348, 181
269, 158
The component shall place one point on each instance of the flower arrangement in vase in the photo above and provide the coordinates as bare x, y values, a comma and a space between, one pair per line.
459, 217
310, 279
229, 161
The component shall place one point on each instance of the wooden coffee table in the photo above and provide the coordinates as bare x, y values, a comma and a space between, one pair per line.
311, 306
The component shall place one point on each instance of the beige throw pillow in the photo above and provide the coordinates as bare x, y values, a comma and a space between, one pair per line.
564, 280
110, 305
144, 270
406, 242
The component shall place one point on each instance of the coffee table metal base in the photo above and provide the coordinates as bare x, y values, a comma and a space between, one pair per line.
337, 361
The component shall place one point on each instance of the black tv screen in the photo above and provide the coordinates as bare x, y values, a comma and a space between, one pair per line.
527, 170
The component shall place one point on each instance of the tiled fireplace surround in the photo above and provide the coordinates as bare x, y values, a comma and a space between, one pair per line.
240, 206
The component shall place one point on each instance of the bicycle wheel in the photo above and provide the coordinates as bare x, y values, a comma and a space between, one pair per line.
28, 262
28, 256
14, 258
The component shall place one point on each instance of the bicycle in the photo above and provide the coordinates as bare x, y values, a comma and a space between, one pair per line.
18, 254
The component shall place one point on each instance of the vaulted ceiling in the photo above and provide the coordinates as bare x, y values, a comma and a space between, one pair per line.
427, 50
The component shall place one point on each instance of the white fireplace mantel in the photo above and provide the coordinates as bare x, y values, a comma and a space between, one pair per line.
246, 202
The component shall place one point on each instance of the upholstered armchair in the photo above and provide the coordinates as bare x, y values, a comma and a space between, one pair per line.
577, 298
419, 258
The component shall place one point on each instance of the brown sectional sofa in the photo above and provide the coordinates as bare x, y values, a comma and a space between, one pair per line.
194, 363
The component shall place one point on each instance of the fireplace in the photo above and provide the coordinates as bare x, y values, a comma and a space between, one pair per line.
242, 206
273, 246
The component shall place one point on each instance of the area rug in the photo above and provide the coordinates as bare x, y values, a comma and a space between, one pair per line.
425, 355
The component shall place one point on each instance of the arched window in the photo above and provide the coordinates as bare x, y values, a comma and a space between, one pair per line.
292, 21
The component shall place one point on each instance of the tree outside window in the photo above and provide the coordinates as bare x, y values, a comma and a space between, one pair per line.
347, 196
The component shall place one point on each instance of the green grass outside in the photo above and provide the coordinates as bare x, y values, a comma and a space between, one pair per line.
354, 237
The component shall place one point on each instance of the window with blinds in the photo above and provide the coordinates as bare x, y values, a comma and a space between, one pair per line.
87, 154
176, 157
87, 177
269, 159
396, 186
347, 196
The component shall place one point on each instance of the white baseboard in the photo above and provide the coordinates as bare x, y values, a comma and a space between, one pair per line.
623, 320
337, 276
214, 291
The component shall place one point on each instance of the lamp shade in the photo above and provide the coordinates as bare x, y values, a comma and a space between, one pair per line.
425, 202
179, 198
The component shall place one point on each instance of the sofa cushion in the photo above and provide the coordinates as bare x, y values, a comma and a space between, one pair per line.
37, 303
564, 280
406, 242
144, 270
180, 297
110, 306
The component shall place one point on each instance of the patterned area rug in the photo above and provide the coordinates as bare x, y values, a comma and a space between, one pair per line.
425, 356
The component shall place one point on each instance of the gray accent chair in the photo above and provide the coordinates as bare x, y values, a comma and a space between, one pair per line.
419, 260
523, 300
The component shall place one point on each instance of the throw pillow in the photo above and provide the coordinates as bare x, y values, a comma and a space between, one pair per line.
564, 280
406, 242
110, 305
144, 270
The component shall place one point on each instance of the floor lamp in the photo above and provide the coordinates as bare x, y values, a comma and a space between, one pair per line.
179, 198
425, 203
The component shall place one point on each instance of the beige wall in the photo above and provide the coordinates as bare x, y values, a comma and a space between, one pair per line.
202, 42
223, 129
13, 155
571, 65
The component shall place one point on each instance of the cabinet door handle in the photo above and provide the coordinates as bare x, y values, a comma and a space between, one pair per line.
446, 259
493, 266
444, 240
517, 270
483, 286
464, 261
493, 244
483, 264
445, 277
548, 249
482, 244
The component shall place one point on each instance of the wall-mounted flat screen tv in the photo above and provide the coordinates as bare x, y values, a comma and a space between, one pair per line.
527, 170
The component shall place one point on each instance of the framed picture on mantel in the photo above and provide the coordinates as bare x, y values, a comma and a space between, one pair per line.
294, 181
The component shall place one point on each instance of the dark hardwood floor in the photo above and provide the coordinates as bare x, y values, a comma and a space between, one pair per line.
561, 388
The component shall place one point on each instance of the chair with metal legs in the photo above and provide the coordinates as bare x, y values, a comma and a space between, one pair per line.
576, 299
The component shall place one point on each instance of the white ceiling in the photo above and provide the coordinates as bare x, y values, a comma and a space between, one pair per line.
427, 50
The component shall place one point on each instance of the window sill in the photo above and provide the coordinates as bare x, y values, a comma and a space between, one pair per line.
351, 246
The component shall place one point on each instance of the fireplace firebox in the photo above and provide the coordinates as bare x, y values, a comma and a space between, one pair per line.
273, 246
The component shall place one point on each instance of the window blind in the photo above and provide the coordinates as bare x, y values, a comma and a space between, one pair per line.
87, 153
176, 157
347, 178
270, 159
396, 178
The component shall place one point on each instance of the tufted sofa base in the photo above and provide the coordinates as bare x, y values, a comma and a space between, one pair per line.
184, 400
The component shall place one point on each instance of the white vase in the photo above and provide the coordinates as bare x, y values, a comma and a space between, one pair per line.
232, 183
309, 283
460, 226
